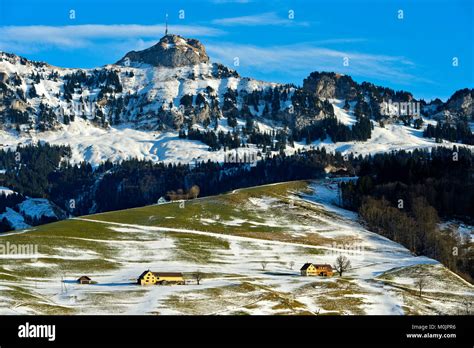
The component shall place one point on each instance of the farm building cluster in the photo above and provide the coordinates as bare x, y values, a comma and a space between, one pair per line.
175, 278
148, 278
313, 269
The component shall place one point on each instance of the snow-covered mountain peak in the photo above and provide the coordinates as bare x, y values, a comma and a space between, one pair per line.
171, 51
172, 87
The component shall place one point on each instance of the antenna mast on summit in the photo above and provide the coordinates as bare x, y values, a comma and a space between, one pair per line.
166, 25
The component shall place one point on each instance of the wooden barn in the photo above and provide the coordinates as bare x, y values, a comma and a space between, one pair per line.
84, 280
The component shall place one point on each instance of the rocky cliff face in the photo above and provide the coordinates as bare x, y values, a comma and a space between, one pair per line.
330, 85
461, 104
171, 51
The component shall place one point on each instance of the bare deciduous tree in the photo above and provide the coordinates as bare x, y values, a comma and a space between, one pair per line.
264, 265
342, 265
198, 276
292, 264
420, 283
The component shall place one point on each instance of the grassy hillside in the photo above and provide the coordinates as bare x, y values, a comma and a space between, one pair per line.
249, 244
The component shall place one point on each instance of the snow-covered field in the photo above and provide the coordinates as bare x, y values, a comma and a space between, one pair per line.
249, 244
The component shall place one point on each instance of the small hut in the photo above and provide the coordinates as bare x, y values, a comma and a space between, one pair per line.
84, 280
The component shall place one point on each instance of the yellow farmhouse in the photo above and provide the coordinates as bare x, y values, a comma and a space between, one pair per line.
151, 278
311, 269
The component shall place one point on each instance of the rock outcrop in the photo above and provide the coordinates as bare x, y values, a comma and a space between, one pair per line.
330, 85
171, 51
461, 104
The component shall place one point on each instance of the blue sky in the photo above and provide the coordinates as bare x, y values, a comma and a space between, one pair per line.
414, 53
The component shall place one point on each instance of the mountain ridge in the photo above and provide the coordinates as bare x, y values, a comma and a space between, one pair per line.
186, 91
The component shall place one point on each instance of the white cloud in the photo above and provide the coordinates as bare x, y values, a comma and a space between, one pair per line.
297, 60
301, 59
268, 18
34, 37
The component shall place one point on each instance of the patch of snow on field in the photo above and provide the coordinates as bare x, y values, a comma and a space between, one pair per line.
263, 203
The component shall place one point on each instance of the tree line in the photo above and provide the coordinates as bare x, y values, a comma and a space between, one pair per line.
459, 132
403, 196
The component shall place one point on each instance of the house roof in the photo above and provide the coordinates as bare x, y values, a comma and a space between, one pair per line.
167, 274
143, 274
84, 278
161, 274
322, 265
305, 266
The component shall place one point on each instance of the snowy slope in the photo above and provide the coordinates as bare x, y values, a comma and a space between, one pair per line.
96, 145
384, 139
